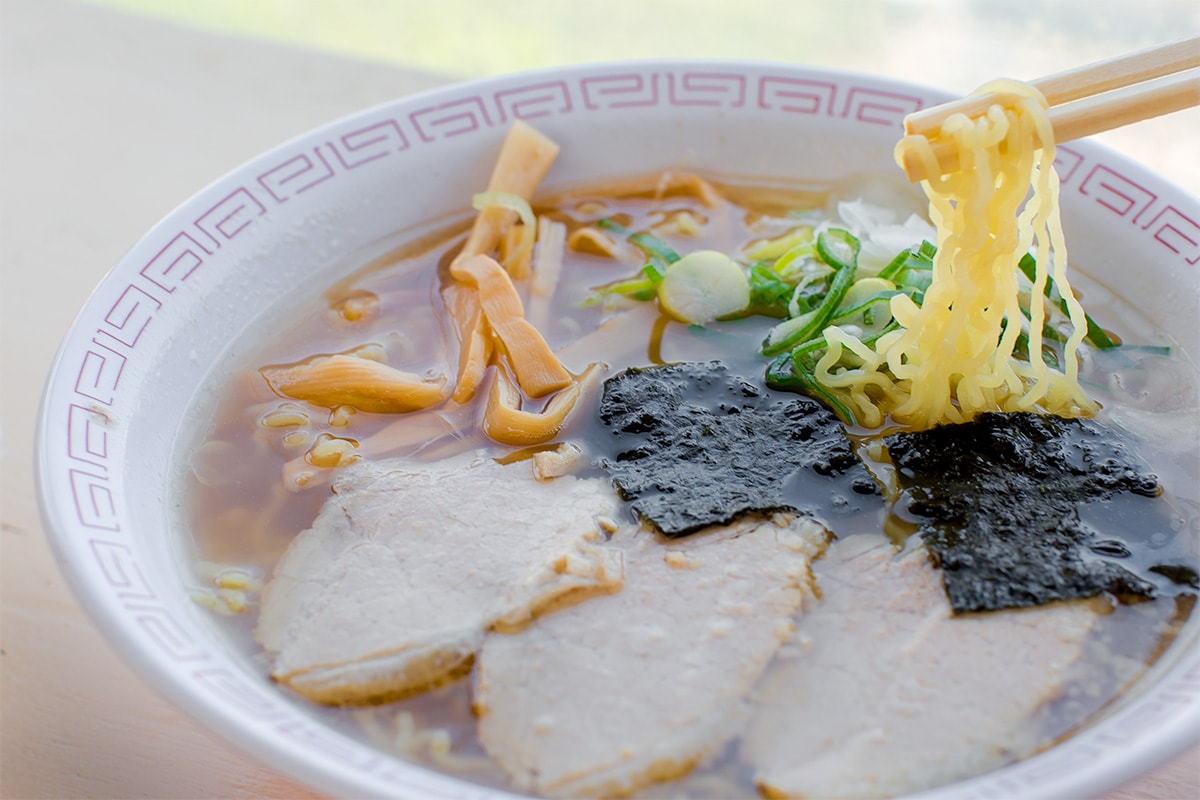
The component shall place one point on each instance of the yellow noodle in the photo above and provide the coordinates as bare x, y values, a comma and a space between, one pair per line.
954, 355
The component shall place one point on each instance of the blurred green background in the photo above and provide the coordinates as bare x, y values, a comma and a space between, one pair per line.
953, 45
913, 39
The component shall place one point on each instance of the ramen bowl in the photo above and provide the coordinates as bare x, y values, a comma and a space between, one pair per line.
139, 366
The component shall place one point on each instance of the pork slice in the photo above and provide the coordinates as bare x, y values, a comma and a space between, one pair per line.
407, 566
604, 696
887, 693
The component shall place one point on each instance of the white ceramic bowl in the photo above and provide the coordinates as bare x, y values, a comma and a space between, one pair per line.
167, 319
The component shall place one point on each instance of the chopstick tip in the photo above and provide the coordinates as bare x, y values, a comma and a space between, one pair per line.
908, 158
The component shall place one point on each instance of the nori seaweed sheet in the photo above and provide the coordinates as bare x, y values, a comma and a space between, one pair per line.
694, 446
1000, 500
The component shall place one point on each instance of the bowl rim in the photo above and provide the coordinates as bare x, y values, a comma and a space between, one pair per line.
1109, 760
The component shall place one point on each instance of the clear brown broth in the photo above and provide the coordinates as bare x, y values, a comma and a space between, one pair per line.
246, 517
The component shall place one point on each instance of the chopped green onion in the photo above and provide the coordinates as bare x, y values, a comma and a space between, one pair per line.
769, 294
702, 286
917, 281
654, 270
918, 258
790, 374
912, 269
865, 292
784, 262
607, 224
808, 292
642, 288
840, 249
652, 246
789, 332
846, 312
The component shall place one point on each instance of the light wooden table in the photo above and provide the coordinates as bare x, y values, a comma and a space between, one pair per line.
107, 123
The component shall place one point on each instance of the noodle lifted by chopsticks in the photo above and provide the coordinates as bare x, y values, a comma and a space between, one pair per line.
953, 356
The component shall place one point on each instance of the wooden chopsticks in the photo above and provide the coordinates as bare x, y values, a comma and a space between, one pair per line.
1086, 100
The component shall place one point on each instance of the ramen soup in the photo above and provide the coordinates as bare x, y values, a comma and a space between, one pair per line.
563, 504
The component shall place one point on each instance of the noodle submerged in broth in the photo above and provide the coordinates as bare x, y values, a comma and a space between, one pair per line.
534, 632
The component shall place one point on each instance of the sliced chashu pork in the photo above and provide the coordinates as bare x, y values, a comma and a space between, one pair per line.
886, 693
407, 566
603, 696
